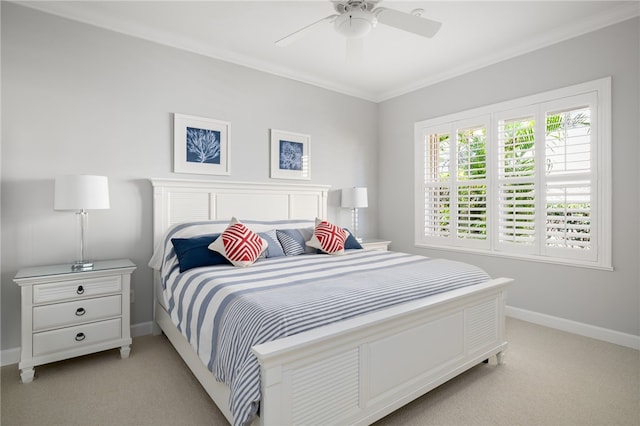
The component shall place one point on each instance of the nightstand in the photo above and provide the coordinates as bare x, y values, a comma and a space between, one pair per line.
69, 313
374, 244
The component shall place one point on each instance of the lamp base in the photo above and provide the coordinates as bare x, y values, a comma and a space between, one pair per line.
82, 265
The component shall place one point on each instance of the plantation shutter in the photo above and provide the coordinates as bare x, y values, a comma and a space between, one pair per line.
435, 184
470, 182
516, 177
569, 178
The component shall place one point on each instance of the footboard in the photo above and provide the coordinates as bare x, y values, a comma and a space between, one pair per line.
360, 370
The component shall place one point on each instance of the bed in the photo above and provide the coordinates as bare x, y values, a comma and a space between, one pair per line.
352, 371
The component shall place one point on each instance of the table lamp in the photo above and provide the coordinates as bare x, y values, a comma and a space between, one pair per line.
355, 198
81, 193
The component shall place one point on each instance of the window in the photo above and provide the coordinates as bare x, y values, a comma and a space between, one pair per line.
529, 178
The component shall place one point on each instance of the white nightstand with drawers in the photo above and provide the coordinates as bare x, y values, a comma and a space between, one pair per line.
69, 313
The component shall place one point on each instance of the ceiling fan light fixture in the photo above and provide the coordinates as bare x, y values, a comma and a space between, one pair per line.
355, 23
356, 18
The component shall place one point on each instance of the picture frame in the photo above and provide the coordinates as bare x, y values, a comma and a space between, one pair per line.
290, 155
201, 145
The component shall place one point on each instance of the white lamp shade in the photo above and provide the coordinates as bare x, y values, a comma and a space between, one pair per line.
354, 198
78, 192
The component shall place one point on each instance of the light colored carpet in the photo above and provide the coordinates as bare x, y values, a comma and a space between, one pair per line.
550, 378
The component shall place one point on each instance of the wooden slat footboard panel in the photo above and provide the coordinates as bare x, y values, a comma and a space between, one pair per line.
326, 391
358, 371
482, 328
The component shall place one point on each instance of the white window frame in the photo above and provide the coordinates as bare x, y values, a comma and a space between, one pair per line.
600, 256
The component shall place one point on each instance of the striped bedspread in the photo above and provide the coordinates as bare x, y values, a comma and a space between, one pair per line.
223, 311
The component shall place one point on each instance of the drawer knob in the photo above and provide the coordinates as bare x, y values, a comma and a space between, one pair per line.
80, 312
80, 289
80, 337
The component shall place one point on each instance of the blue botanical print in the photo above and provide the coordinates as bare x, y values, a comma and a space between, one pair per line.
291, 155
203, 146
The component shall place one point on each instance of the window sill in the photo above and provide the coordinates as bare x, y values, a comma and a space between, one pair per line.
525, 257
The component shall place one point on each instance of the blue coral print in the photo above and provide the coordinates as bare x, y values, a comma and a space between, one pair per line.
291, 155
203, 146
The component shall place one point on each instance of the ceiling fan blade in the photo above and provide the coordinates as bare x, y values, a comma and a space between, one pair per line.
407, 22
286, 40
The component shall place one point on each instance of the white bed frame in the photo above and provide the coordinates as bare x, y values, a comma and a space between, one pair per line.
351, 372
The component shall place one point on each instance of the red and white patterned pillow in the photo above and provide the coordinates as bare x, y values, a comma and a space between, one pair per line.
239, 244
328, 237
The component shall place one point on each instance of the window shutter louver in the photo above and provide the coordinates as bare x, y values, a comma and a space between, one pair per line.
568, 154
568, 142
437, 185
471, 183
437, 221
568, 215
516, 184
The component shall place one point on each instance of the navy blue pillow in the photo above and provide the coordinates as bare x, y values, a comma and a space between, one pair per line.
351, 242
194, 252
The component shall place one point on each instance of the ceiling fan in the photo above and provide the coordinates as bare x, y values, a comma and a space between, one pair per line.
356, 18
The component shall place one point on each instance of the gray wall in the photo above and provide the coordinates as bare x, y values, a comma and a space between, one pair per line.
605, 299
78, 99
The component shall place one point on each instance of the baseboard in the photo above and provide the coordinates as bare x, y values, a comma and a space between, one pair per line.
141, 329
582, 329
9, 356
12, 356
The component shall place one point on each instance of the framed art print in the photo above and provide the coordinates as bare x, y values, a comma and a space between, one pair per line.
290, 155
200, 145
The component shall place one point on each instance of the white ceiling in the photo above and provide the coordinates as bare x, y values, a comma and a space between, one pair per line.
474, 34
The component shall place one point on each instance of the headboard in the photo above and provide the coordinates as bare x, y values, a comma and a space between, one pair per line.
182, 200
